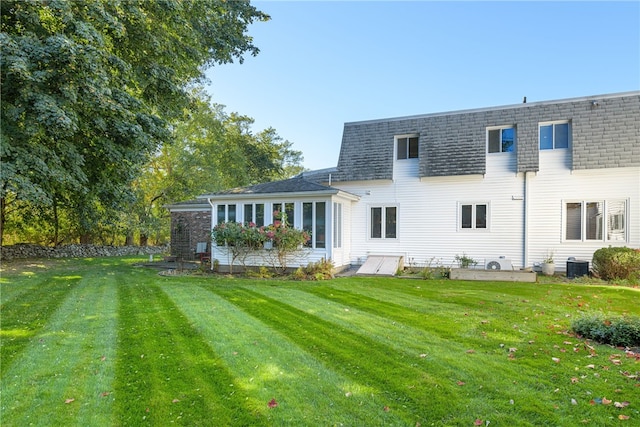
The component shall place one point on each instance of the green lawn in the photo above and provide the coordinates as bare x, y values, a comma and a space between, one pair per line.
101, 342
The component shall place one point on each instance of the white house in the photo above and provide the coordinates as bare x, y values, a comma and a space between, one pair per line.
509, 183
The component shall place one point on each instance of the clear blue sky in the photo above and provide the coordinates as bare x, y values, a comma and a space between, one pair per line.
322, 64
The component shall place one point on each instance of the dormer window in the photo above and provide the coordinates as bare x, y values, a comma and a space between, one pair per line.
501, 140
554, 136
407, 147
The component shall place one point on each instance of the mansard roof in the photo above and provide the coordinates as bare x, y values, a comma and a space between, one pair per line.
605, 134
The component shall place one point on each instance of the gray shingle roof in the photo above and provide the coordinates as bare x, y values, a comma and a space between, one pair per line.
298, 184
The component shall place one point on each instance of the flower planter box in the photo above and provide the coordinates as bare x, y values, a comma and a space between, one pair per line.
493, 275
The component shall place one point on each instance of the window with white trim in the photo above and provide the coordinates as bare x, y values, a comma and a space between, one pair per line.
595, 220
254, 213
337, 225
286, 207
383, 222
473, 216
407, 147
501, 140
226, 213
555, 135
314, 222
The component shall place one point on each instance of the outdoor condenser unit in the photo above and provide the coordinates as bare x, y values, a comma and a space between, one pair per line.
500, 263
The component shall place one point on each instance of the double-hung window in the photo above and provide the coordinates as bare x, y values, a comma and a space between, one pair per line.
383, 222
407, 147
473, 216
314, 222
501, 140
554, 136
226, 213
595, 220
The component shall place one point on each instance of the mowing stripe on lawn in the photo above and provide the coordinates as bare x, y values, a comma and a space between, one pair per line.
421, 313
439, 356
267, 365
368, 318
27, 303
433, 312
69, 360
409, 389
166, 372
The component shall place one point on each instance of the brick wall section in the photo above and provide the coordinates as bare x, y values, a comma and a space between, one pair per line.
605, 135
198, 224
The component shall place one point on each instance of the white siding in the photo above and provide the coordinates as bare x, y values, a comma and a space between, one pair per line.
553, 185
428, 215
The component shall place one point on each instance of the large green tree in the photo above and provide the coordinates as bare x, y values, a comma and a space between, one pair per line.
212, 151
89, 88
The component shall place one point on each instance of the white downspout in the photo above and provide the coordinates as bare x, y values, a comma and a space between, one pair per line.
525, 240
210, 237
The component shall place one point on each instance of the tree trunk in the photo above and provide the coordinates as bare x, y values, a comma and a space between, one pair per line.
144, 240
128, 241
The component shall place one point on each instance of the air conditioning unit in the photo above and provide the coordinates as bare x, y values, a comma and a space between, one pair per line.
500, 263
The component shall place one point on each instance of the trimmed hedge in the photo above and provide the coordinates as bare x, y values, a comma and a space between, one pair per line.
617, 263
619, 331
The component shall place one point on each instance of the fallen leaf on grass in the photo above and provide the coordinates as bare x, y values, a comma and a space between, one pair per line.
386, 409
555, 359
105, 394
69, 401
606, 401
272, 403
574, 380
461, 383
574, 402
477, 422
620, 404
623, 417
103, 358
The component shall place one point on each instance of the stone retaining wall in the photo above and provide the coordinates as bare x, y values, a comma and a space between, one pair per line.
27, 250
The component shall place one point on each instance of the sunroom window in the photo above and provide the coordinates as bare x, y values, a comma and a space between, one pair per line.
226, 213
314, 221
254, 212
